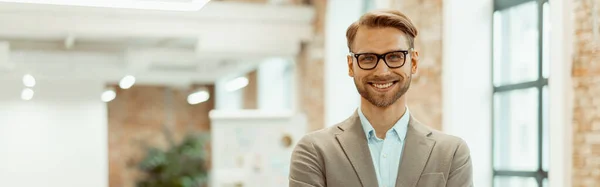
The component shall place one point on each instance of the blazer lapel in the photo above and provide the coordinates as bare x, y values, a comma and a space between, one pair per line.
353, 141
417, 148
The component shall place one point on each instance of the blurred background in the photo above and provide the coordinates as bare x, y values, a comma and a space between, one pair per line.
194, 93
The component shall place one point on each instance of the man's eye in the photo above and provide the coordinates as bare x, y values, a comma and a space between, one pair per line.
395, 57
368, 58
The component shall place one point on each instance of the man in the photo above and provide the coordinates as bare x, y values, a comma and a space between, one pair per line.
381, 144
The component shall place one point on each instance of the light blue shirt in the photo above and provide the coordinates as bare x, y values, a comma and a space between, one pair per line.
386, 153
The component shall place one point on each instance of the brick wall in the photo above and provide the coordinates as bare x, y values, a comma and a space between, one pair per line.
310, 73
425, 94
138, 116
586, 82
250, 92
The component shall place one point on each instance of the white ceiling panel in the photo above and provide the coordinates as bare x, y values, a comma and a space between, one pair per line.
159, 46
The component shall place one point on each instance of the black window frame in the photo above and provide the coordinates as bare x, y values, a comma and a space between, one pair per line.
540, 83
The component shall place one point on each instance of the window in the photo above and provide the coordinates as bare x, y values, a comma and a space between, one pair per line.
520, 96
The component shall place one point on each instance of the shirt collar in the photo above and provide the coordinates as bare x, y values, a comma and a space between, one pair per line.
400, 127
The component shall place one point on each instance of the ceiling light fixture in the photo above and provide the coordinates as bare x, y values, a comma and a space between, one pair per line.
199, 96
27, 94
180, 5
236, 84
127, 82
108, 95
29, 81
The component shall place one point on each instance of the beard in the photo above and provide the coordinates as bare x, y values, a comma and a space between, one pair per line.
382, 100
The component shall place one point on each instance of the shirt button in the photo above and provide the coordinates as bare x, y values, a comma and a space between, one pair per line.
384, 156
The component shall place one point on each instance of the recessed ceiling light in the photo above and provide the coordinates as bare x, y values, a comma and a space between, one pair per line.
29, 81
127, 82
108, 95
236, 84
198, 96
27, 94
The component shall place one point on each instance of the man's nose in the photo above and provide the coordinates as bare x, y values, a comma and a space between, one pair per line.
382, 68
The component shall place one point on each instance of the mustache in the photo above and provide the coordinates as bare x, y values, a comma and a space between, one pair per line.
378, 78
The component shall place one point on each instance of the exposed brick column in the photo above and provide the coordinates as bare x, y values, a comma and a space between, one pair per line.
425, 94
586, 82
137, 117
250, 94
310, 72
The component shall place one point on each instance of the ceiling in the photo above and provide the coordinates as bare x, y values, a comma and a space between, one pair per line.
158, 47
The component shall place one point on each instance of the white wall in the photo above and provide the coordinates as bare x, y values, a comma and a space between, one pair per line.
341, 97
467, 89
225, 100
58, 139
275, 84
561, 93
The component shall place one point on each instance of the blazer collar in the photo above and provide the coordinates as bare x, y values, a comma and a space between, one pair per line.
353, 141
415, 155
417, 149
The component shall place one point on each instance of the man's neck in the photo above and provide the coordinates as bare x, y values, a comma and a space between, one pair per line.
383, 119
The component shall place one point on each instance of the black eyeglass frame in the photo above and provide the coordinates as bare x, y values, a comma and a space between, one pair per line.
381, 56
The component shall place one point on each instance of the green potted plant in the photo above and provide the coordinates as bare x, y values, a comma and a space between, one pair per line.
180, 165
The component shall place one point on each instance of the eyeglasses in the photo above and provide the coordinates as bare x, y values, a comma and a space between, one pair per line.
368, 61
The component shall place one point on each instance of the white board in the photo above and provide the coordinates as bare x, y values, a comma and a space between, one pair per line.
248, 147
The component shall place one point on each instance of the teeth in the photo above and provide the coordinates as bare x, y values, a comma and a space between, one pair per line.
382, 86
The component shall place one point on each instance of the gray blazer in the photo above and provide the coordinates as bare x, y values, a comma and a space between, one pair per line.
339, 156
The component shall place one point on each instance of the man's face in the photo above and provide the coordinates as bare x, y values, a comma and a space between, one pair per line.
381, 86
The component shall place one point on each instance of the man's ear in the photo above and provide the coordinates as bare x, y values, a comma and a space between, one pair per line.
414, 62
350, 66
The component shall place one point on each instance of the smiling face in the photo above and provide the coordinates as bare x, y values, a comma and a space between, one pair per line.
381, 86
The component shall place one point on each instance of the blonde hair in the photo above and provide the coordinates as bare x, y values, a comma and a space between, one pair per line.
381, 19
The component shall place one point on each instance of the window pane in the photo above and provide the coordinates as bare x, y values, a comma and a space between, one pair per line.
545, 140
546, 183
516, 130
546, 41
502, 181
516, 44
